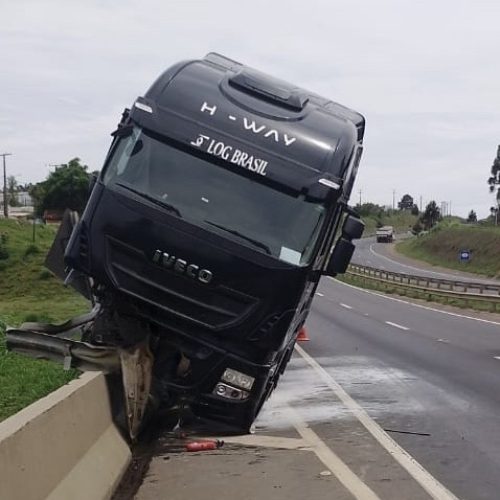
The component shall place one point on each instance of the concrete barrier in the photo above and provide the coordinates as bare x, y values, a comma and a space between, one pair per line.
64, 446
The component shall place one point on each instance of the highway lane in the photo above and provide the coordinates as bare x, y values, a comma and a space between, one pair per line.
428, 378
370, 253
419, 371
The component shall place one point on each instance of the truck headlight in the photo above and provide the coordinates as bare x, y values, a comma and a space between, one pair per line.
238, 379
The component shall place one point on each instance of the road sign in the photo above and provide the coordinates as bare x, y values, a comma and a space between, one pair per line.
464, 255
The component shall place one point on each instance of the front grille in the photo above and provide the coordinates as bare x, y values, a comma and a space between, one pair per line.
213, 307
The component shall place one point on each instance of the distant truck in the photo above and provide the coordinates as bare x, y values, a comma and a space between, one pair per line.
385, 234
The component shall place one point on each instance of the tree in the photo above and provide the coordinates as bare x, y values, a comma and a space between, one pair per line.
472, 217
494, 180
431, 215
66, 187
12, 188
370, 209
415, 210
406, 202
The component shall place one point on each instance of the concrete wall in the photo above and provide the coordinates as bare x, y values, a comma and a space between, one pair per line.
64, 446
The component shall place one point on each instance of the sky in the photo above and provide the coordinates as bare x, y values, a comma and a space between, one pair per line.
425, 75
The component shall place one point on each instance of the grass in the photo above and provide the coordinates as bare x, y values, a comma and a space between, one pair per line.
441, 247
401, 221
29, 292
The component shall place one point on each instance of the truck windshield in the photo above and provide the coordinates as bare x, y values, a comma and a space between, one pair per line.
218, 199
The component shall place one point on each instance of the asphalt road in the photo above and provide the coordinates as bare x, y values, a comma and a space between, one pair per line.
418, 370
429, 378
379, 255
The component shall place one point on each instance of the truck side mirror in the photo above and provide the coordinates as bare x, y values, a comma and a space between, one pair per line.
340, 257
344, 248
353, 228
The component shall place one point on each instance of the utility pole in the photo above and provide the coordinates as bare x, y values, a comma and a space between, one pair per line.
394, 199
420, 202
5, 203
360, 198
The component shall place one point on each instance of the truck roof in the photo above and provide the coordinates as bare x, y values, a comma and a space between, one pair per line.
301, 135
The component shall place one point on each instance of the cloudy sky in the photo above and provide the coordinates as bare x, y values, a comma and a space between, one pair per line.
424, 73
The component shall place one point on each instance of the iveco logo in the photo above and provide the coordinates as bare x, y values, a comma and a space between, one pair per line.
182, 267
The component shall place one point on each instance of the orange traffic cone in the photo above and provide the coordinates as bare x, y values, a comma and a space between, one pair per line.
302, 337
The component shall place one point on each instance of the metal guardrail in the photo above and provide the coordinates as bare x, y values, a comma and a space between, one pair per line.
484, 292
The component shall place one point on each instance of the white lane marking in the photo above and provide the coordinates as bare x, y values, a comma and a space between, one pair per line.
433, 487
489, 321
319, 294
443, 340
341, 471
395, 325
346, 306
497, 357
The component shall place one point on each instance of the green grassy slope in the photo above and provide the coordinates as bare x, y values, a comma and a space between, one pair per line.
401, 221
442, 245
29, 292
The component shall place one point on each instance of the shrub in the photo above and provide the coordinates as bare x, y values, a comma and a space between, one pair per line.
4, 253
417, 228
31, 250
45, 274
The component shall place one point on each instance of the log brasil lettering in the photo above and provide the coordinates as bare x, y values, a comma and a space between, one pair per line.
231, 154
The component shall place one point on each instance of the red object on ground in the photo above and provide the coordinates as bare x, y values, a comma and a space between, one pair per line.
302, 337
204, 445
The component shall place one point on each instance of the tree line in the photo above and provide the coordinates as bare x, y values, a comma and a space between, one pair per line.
426, 219
493, 182
65, 187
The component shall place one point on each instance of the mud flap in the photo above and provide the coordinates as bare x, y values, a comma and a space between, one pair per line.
137, 371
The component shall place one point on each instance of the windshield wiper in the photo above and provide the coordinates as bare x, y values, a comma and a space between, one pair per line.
242, 236
152, 199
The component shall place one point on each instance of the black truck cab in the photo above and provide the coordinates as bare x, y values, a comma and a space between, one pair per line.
207, 231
